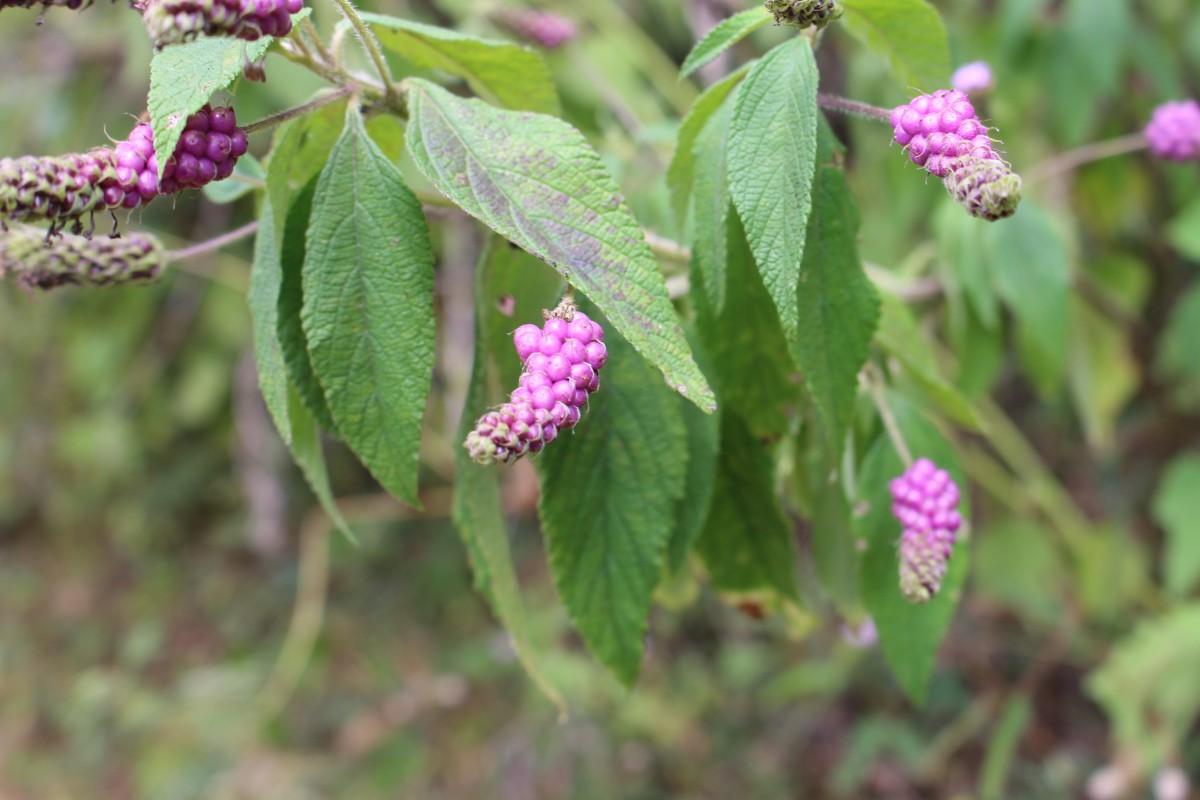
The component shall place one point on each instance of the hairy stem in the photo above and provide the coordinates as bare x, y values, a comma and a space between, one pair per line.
371, 43
300, 110
1073, 159
875, 383
853, 107
200, 248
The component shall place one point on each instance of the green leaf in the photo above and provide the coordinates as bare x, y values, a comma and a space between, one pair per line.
1176, 509
517, 288
833, 552
1176, 360
960, 245
512, 76
772, 158
477, 509
266, 279
183, 77
712, 207
1183, 231
289, 330
727, 33
908, 34
681, 172
1102, 371
536, 181
751, 369
247, 176
747, 543
1030, 265
703, 448
306, 450
1002, 747
300, 150
368, 307
838, 306
609, 493
910, 634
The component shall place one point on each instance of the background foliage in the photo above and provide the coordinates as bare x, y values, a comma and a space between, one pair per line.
177, 623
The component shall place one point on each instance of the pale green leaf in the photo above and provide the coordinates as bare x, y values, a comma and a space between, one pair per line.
747, 543
300, 150
681, 171
266, 279
183, 77
838, 306
1102, 371
1183, 231
772, 158
247, 176
609, 492
307, 452
909, 634
712, 207
1176, 509
727, 33
1176, 360
908, 34
536, 181
512, 76
368, 307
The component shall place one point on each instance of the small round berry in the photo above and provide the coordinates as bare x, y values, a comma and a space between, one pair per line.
597, 354
559, 367
198, 122
224, 169
238, 143
534, 380
549, 344
193, 143
221, 120
583, 374
522, 395
898, 114
556, 326
187, 169
218, 148
542, 397
573, 350
902, 136
558, 414
580, 399
573, 416
549, 433
564, 390
920, 104
582, 329
526, 339
537, 361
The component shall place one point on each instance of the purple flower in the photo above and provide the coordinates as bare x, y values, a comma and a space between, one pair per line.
973, 78
925, 502
1174, 131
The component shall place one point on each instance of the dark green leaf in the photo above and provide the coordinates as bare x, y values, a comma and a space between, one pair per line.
747, 543
300, 151
910, 634
833, 550
727, 33
368, 307
306, 450
838, 307
183, 77
291, 335
772, 158
681, 172
609, 494
535, 180
512, 76
908, 34
266, 279
751, 369
710, 246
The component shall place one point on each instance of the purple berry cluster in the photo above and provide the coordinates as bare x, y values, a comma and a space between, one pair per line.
176, 21
538, 27
940, 128
208, 149
562, 361
58, 188
925, 501
1173, 132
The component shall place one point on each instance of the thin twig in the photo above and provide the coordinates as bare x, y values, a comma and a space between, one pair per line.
1073, 159
853, 107
371, 43
200, 248
300, 110
874, 380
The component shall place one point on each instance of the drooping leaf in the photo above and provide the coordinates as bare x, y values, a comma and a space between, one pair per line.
307, 452
1177, 509
535, 180
290, 331
300, 150
750, 366
266, 279
609, 492
772, 159
183, 77
1031, 269
910, 634
477, 509
747, 543
512, 76
368, 307
726, 34
712, 207
908, 34
703, 449
838, 306
681, 171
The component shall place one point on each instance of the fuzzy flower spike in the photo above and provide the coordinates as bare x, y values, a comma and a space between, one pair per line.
925, 501
562, 361
805, 13
942, 133
1173, 132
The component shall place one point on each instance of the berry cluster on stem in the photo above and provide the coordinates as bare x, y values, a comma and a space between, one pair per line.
41, 263
176, 21
562, 361
925, 502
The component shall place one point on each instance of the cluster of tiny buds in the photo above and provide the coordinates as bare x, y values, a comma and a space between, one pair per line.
1173, 132
804, 13
542, 28
925, 502
71, 4
42, 262
562, 361
176, 21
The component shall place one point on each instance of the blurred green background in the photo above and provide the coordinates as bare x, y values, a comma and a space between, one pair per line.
176, 622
